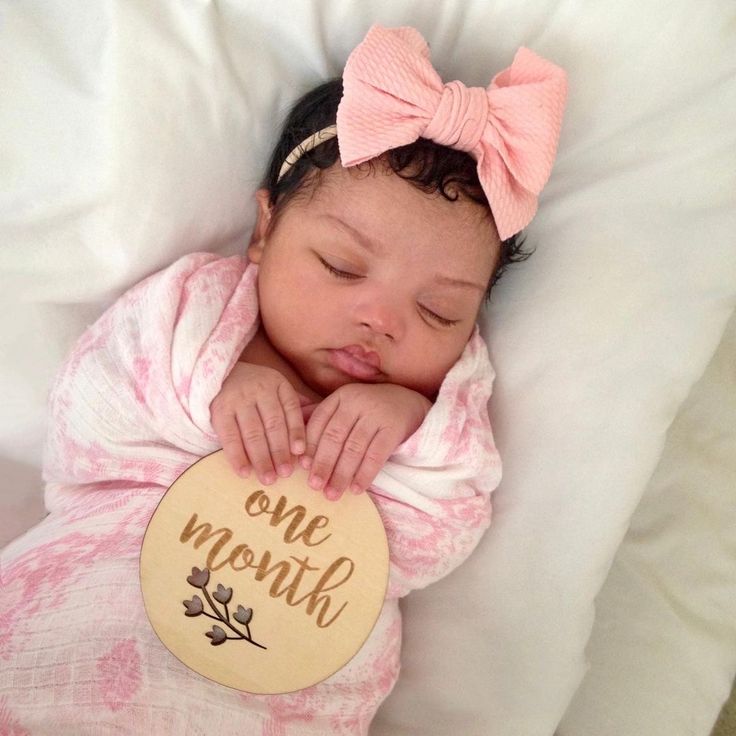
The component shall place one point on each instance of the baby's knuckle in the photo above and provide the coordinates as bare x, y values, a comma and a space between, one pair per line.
253, 436
289, 398
334, 433
354, 447
221, 405
229, 437
375, 458
274, 422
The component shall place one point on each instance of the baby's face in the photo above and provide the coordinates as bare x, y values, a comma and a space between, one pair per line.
371, 280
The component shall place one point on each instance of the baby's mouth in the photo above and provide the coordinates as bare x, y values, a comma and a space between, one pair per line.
356, 362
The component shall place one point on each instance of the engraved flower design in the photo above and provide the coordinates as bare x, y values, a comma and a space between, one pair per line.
196, 607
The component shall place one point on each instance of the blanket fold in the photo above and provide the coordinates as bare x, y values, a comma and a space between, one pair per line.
128, 413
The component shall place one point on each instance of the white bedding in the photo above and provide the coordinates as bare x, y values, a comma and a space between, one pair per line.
663, 642
133, 132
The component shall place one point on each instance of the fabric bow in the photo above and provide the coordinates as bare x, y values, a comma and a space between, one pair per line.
392, 96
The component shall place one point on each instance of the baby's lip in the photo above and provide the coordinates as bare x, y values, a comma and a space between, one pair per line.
367, 356
356, 362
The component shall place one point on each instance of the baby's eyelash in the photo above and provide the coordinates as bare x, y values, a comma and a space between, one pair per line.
351, 276
337, 272
437, 318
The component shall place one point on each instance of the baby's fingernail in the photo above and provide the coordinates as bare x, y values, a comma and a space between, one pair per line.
355, 488
284, 470
305, 462
298, 447
332, 493
268, 478
244, 472
316, 482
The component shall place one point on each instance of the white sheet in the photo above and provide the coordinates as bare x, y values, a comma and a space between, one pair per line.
664, 641
133, 132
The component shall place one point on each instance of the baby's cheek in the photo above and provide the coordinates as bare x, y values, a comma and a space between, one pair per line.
425, 382
429, 373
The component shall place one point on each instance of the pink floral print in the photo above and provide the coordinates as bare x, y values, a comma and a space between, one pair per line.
9, 726
128, 412
119, 673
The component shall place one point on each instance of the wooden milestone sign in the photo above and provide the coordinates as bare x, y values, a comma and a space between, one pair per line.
267, 589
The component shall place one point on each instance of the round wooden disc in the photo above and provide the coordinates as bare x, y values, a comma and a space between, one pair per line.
267, 589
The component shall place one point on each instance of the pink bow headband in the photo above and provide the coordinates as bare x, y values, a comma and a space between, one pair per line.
392, 95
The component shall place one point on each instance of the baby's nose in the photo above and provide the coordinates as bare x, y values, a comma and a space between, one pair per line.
382, 317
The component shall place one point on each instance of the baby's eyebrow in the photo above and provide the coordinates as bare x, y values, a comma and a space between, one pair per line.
448, 281
371, 246
355, 234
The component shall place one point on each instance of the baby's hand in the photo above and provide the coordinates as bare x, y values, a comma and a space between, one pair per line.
352, 433
257, 417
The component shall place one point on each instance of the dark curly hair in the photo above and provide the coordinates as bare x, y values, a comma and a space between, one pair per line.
428, 165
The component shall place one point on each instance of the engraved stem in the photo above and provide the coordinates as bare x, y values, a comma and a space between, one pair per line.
228, 624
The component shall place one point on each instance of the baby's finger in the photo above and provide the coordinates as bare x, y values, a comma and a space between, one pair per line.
274, 422
316, 424
228, 432
256, 444
350, 460
308, 409
377, 453
294, 420
331, 445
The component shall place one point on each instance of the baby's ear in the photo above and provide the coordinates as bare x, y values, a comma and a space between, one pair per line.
263, 221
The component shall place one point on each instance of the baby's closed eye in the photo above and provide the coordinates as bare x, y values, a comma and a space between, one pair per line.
349, 275
438, 318
338, 272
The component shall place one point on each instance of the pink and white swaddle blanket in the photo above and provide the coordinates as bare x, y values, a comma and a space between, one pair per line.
129, 412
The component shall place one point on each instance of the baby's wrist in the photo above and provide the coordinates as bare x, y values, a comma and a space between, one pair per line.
419, 408
425, 404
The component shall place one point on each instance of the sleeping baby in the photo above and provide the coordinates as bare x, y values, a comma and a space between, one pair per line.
344, 340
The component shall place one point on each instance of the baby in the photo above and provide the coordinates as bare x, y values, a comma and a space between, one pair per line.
347, 340
369, 289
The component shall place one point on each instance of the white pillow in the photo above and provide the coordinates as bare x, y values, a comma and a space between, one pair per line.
133, 132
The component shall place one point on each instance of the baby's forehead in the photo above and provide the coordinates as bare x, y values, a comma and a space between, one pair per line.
368, 214
374, 190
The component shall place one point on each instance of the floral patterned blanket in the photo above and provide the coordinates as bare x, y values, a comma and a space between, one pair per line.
128, 413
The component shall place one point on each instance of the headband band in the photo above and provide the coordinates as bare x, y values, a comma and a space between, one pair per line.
313, 141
